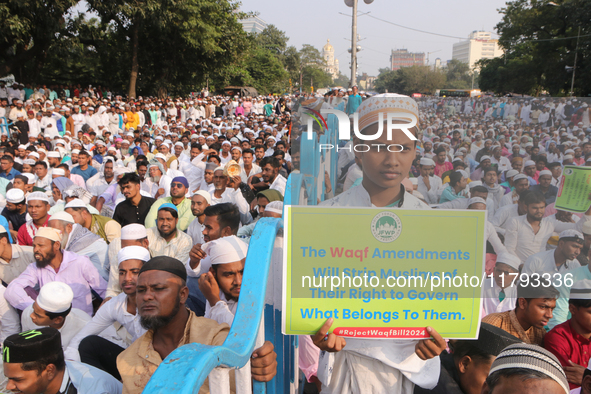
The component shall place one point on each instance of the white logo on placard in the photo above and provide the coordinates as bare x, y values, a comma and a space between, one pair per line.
386, 226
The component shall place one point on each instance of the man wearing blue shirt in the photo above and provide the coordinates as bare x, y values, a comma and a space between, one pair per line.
354, 101
8, 172
83, 169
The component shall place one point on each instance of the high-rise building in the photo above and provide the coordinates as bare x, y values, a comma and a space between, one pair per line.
253, 24
332, 64
403, 58
480, 45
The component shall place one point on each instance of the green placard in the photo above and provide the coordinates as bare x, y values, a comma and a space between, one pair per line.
574, 189
383, 273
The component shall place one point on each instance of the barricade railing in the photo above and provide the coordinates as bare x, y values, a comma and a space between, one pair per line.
186, 368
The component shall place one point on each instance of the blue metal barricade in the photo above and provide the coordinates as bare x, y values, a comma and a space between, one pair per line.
185, 369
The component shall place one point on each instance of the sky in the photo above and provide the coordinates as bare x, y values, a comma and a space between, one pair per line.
314, 21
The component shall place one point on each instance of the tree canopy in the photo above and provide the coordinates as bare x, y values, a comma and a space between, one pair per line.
540, 42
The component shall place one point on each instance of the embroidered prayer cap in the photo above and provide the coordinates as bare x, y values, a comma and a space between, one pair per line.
167, 264
55, 297
52, 234
15, 196
581, 290
225, 250
206, 195
38, 196
518, 177
32, 345
53, 154
277, 206
58, 172
63, 216
572, 235
474, 184
533, 358
370, 109
545, 172
133, 252
509, 259
483, 158
133, 231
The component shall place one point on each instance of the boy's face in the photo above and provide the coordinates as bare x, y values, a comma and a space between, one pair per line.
381, 167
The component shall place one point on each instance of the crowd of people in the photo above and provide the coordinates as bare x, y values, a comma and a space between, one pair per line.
125, 224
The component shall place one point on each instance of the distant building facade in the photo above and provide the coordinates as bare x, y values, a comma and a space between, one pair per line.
480, 45
331, 64
253, 24
403, 58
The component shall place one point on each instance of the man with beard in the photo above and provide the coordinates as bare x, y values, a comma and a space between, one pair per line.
165, 239
38, 208
158, 181
178, 190
135, 207
78, 239
54, 264
528, 234
561, 259
270, 176
227, 190
199, 202
87, 346
161, 297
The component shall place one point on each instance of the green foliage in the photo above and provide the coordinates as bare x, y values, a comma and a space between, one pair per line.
409, 80
532, 33
28, 29
273, 40
341, 80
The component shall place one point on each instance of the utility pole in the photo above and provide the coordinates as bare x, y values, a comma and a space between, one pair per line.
572, 83
354, 46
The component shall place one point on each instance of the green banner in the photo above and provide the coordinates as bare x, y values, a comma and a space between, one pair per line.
383, 273
574, 189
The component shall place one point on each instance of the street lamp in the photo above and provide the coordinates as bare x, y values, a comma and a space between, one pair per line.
353, 4
574, 68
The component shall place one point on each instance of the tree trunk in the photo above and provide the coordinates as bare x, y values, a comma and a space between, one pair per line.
135, 66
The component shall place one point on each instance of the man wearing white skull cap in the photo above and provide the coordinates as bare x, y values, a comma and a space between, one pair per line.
100, 352
221, 284
53, 308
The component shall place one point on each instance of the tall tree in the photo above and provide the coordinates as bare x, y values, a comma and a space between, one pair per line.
272, 39
28, 29
540, 40
175, 43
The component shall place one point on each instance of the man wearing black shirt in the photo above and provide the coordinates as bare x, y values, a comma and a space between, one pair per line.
135, 208
23, 129
16, 208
